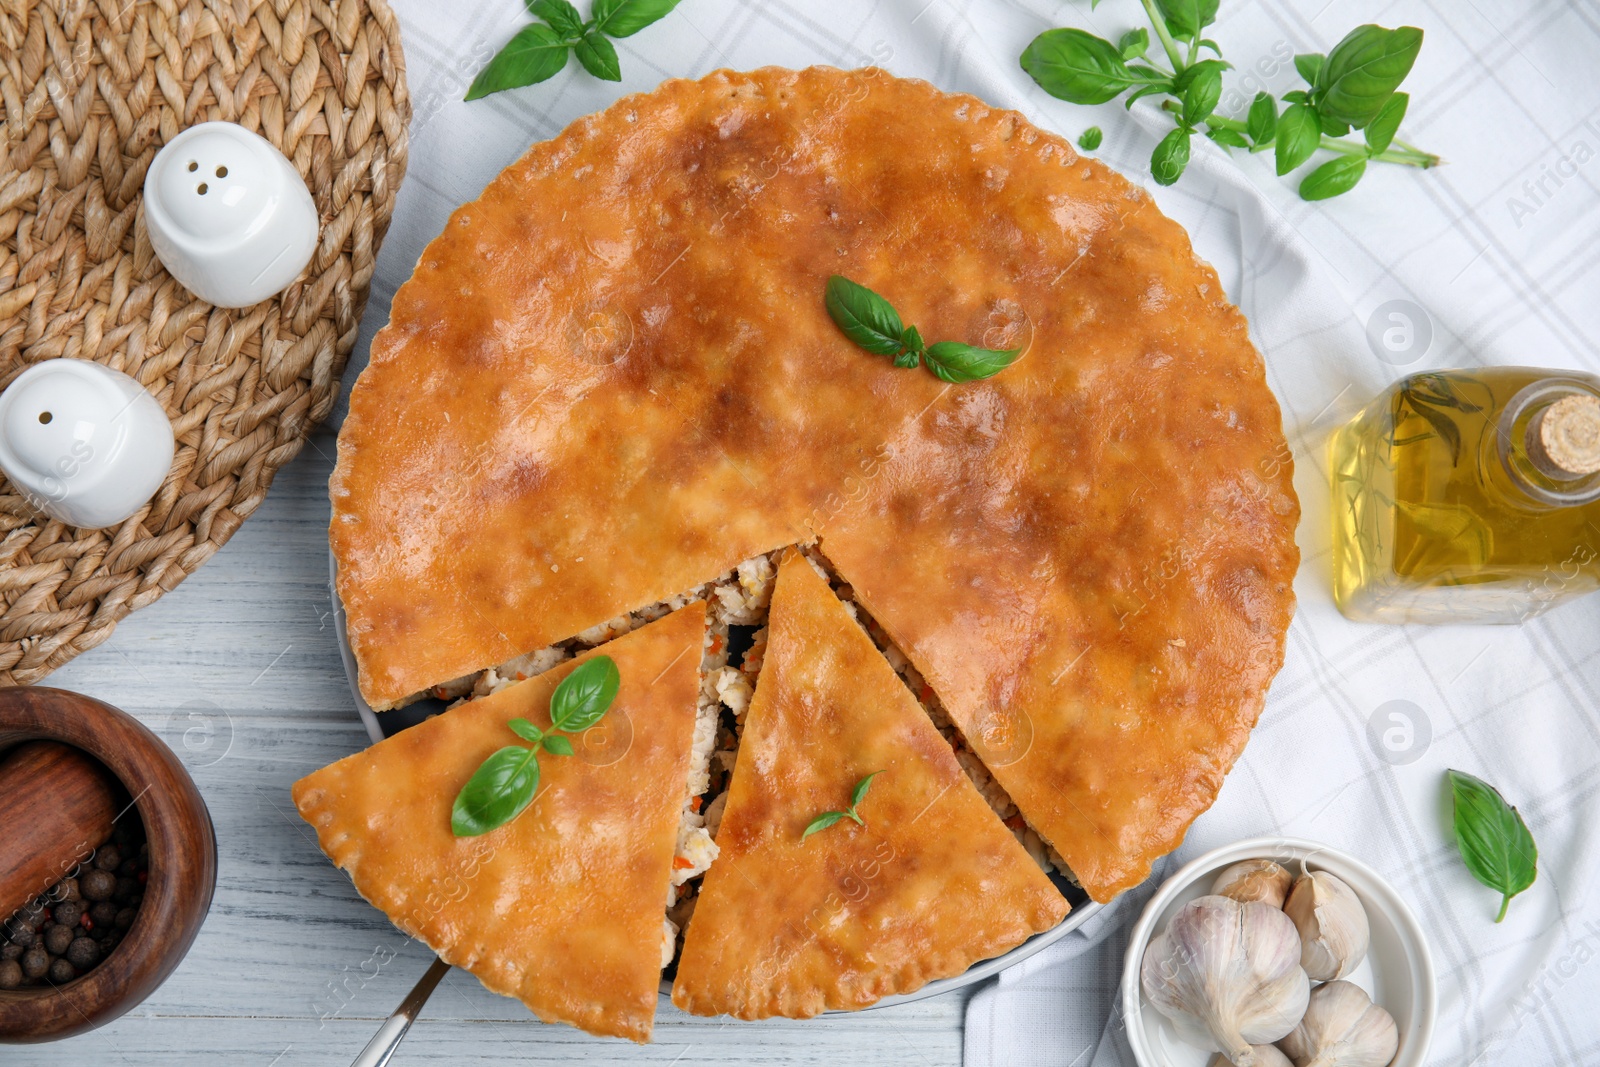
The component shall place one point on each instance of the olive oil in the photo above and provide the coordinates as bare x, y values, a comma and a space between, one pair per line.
1468, 496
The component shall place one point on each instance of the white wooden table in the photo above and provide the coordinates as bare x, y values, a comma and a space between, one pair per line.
239, 672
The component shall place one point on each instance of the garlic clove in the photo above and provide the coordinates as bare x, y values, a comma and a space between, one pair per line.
1228, 976
1332, 924
1342, 1028
1266, 1056
1260, 880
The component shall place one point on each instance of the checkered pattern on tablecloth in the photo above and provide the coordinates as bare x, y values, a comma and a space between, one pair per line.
1496, 254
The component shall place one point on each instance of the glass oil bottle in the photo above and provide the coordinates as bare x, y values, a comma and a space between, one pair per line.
1468, 496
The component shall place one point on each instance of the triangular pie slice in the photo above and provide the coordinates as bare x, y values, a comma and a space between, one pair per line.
791, 925
563, 907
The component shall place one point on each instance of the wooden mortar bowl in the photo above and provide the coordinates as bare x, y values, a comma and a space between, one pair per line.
183, 863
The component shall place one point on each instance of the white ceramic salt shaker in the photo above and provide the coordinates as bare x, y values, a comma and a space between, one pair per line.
228, 215
84, 443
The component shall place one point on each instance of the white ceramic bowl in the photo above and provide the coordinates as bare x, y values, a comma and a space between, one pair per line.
1397, 973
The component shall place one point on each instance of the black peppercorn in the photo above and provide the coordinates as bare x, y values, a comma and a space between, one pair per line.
34, 912
125, 918
104, 913
10, 974
57, 938
68, 912
83, 953
128, 887
35, 962
108, 858
22, 932
97, 885
62, 972
111, 940
10, 950
66, 889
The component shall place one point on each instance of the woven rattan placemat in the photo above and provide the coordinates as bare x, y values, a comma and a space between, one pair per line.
91, 90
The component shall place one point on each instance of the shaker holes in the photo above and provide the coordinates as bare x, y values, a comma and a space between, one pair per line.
45, 416
202, 189
222, 172
193, 165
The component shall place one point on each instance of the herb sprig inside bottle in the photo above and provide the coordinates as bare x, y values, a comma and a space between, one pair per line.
828, 818
872, 323
504, 785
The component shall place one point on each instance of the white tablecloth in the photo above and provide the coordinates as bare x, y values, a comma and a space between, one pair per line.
1492, 257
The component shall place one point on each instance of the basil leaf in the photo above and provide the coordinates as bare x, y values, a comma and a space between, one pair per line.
1493, 840
1332, 127
561, 15
1227, 138
955, 362
1381, 130
1204, 68
557, 745
1170, 157
526, 730
624, 18
1298, 136
1090, 139
1364, 68
865, 317
537, 53
599, 57
1297, 96
1134, 43
1186, 18
1147, 90
1309, 65
1333, 177
912, 339
1201, 95
822, 822
1077, 67
861, 789
497, 793
584, 695
1263, 119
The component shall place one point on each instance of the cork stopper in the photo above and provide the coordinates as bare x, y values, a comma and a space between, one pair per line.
1564, 438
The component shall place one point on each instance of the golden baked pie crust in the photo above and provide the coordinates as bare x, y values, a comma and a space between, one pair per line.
611, 378
561, 908
930, 885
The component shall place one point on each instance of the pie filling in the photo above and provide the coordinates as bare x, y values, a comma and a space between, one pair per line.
736, 636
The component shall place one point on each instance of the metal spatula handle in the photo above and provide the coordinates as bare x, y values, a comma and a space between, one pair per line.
393, 1031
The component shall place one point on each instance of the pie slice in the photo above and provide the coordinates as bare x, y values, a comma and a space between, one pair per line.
792, 925
561, 908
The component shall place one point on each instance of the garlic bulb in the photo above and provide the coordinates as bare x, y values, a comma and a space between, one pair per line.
1228, 976
1259, 880
1332, 925
1266, 1056
1342, 1028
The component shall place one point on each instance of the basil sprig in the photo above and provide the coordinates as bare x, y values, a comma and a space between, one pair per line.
873, 324
828, 818
505, 783
1494, 841
539, 52
1355, 86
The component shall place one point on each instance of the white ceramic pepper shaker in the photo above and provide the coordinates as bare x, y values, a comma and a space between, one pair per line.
85, 444
228, 215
